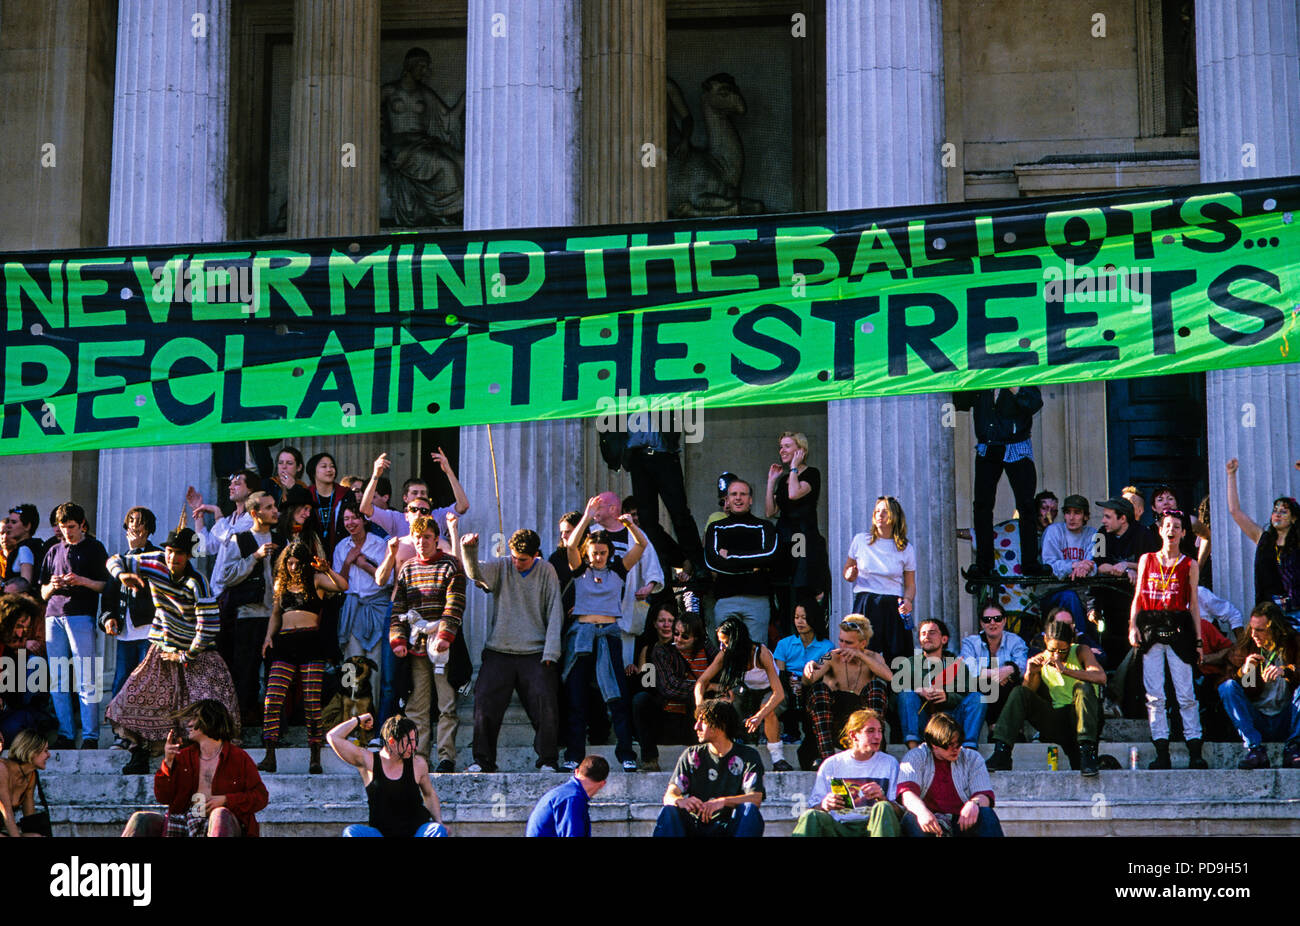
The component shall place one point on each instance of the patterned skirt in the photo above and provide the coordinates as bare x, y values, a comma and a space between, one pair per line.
158, 689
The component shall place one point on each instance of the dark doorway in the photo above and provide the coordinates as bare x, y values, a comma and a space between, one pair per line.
430, 440
1156, 435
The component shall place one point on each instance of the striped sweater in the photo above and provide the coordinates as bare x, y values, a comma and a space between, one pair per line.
185, 612
436, 590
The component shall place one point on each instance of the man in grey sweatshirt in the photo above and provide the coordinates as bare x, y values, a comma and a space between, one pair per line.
524, 644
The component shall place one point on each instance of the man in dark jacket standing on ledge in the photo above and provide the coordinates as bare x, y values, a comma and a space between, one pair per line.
1003, 420
743, 551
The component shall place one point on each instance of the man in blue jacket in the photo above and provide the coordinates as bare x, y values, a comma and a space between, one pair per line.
563, 811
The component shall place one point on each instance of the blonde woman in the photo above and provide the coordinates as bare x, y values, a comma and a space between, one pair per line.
882, 567
793, 488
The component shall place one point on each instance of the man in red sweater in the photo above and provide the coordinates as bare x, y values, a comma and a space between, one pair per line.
211, 787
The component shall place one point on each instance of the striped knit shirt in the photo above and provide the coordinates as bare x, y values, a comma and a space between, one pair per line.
436, 590
185, 612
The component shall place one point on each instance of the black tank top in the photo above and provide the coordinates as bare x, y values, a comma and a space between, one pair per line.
301, 601
396, 807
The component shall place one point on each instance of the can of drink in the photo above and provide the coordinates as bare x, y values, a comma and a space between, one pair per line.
1133, 757
1053, 757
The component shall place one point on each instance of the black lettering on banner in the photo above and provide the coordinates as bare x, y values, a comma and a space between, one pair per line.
845, 315
1223, 224
576, 354
653, 350
1059, 325
920, 338
787, 354
233, 409
412, 357
172, 408
332, 365
1164, 283
1271, 316
521, 341
979, 326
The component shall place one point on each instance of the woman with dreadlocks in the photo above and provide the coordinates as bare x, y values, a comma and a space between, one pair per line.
746, 671
297, 646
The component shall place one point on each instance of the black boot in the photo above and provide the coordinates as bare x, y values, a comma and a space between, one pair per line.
1000, 761
1161, 760
1088, 760
1194, 755
268, 764
139, 763
314, 768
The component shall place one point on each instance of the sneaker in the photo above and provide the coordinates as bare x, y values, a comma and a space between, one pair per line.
63, 743
650, 765
1000, 761
629, 765
570, 765
548, 766
780, 765
478, 768
444, 767
1291, 755
474, 769
119, 743
90, 744
1256, 757
1088, 760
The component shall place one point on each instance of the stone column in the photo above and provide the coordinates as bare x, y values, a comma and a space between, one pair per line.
169, 183
334, 123
334, 103
56, 116
624, 71
1248, 87
521, 144
884, 129
169, 179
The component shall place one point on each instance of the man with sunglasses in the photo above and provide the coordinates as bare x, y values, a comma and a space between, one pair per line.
997, 657
395, 523
1059, 697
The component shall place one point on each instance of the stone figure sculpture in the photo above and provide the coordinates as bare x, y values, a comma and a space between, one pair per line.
424, 147
706, 181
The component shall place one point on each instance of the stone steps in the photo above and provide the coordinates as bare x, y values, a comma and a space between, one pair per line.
89, 796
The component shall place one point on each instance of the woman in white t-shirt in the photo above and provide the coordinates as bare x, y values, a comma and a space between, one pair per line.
882, 567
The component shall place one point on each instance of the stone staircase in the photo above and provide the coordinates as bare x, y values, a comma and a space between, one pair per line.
90, 797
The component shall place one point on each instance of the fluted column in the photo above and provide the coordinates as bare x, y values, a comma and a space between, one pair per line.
334, 103
521, 160
56, 118
624, 71
1248, 89
169, 180
884, 128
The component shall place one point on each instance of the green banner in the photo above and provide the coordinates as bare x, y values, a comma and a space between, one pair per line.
145, 345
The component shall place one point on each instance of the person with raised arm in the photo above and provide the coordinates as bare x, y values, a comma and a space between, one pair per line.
593, 646
399, 792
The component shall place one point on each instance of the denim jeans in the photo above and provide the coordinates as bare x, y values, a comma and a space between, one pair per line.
754, 611
129, 655
987, 825
74, 636
745, 822
1254, 726
970, 714
427, 829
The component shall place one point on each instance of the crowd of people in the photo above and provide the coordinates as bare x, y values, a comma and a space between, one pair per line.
716, 639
